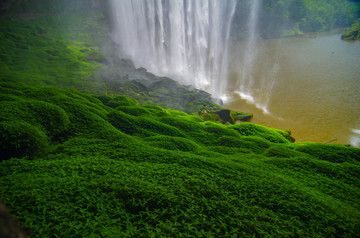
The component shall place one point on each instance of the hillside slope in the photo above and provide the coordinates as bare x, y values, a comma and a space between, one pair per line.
80, 165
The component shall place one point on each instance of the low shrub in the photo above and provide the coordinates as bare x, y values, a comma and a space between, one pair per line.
134, 110
332, 153
52, 119
183, 123
281, 151
239, 143
123, 122
121, 101
158, 127
156, 110
18, 139
172, 143
219, 130
250, 129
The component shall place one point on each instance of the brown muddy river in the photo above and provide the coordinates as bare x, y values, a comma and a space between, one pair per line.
308, 85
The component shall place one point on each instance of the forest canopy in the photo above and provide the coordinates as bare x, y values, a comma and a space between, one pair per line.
292, 17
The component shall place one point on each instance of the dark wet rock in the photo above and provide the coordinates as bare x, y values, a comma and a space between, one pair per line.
226, 116
9, 226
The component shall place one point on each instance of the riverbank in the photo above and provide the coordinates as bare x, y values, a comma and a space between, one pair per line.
352, 33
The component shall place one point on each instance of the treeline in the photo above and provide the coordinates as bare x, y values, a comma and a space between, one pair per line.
292, 17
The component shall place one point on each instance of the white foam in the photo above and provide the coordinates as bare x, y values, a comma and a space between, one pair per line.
251, 100
355, 139
356, 131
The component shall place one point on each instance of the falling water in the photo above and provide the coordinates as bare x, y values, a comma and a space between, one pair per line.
186, 40
255, 81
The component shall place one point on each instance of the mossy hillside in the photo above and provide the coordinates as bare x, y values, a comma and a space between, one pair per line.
68, 49
81, 165
35, 52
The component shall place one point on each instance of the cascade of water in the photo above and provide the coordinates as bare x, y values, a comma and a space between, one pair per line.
255, 80
246, 83
186, 40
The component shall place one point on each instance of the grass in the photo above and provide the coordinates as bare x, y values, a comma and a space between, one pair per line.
76, 164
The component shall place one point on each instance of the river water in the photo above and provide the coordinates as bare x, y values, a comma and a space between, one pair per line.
306, 84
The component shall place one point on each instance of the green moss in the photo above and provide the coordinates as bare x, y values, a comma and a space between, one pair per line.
158, 127
18, 139
121, 101
250, 146
9, 97
219, 130
134, 110
186, 124
227, 150
281, 151
68, 99
172, 143
124, 122
52, 119
211, 117
35, 53
250, 129
156, 110
332, 153
259, 141
163, 165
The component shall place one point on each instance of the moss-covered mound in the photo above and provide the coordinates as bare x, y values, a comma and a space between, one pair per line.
80, 165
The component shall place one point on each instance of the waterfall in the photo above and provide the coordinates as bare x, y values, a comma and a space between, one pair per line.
183, 39
256, 81
245, 85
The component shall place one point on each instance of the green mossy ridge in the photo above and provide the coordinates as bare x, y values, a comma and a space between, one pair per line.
172, 143
18, 139
50, 118
272, 135
332, 153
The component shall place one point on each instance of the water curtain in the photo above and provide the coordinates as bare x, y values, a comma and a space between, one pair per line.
187, 40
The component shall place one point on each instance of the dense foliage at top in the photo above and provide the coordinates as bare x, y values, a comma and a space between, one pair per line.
97, 163
352, 33
292, 17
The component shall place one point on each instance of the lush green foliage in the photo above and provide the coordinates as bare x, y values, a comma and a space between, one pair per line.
84, 165
60, 50
37, 52
352, 33
294, 17
78, 165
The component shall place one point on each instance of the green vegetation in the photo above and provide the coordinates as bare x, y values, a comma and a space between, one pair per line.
63, 51
352, 33
296, 17
79, 158
34, 51
81, 165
